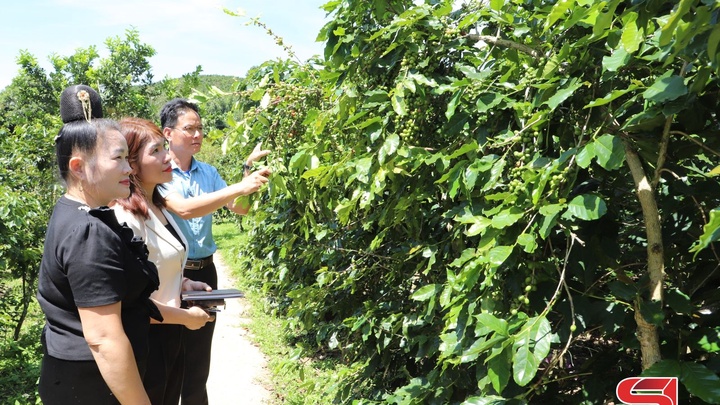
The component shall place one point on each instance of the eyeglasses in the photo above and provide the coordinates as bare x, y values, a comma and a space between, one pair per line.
190, 130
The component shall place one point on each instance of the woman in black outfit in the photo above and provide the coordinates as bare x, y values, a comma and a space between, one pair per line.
95, 279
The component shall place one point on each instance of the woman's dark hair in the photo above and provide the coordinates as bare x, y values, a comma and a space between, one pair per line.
81, 111
173, 109
80, 102
79, 136
138, 132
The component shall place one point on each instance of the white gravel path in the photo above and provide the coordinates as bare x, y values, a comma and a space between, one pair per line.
238, 370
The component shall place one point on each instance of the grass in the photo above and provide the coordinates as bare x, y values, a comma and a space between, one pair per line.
295, 380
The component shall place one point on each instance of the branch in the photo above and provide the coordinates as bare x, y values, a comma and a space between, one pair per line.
700, 144
556, 359
647, 333
665, 141
662, 154
504, 43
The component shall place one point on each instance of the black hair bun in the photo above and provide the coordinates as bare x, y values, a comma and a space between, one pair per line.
71, 104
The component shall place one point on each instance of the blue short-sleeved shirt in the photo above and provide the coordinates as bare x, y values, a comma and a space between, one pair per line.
202, 178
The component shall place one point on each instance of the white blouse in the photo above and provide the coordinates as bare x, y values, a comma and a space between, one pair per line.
164, 249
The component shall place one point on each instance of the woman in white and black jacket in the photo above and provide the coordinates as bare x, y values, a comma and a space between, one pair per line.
144, 211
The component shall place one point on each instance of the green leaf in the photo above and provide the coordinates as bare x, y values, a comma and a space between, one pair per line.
426, 292
398, 104
479, 346
663, 368
631, 37
587, 207
421, 79
389, 147
362, 168
498, 255
525, 365
652, 312
465, 256
667, 87
499, 326
471, 72
586, 154
563, 94
454, 178
610, 152
550, 215
701, 79
469, 19
498, 368
619, 58
488, 101
446, 296
507, 217
551, 67
466, 148
558, 11
615, 94
604, 20
713, 41
485, 400
710, 339
452, 105
456, 124
622, 290
257, 94
479, 225
473, 171
646, 120
668, 30
551, 209
539, 335
711, 232
700, 382
528, 242
678, 301
343, 211
354, 118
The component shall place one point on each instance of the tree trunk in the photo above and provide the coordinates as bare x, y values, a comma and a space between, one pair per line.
647, 333
26, 297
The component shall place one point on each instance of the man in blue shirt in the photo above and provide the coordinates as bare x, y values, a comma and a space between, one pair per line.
196, 191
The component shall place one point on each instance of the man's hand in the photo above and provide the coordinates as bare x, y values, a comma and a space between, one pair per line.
256, 154
253, 182
192, 285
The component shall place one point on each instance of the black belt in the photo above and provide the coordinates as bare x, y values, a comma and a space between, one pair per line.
198, 264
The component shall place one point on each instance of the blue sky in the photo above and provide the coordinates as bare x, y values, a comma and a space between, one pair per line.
184, 33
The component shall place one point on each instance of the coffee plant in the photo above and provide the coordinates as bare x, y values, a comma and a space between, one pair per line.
494, 201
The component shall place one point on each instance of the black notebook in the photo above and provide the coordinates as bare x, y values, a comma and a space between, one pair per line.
211, 295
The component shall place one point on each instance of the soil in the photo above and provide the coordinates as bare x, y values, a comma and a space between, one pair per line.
238, 370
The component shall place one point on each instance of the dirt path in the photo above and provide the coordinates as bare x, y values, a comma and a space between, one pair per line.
238, 370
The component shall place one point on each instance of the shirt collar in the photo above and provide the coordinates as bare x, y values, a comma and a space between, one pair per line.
193, 165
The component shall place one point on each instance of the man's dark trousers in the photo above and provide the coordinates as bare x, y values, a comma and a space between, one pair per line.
197, 345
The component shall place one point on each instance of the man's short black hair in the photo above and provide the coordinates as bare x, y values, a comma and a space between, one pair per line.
173, 109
